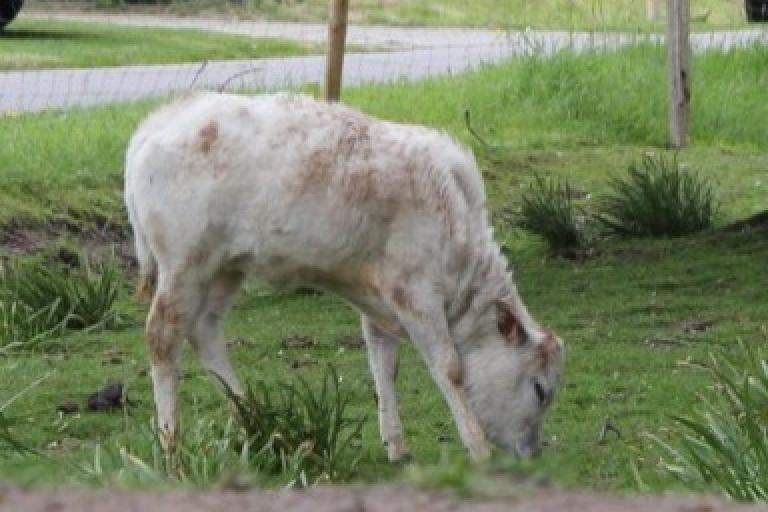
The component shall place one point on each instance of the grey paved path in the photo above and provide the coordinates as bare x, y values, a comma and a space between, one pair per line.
413, 53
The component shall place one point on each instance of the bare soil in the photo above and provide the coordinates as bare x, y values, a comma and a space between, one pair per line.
375, 499
96, 240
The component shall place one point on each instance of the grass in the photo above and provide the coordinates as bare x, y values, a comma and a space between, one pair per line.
626, 314
299, 431
40, 303
549, 209
46, 44
658, 198
555, 115
563, 14
725, 442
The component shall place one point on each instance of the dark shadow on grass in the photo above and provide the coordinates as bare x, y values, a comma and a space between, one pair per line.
48, 35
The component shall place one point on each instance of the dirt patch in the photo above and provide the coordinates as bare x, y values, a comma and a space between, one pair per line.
376, 499
298, 341
96, 239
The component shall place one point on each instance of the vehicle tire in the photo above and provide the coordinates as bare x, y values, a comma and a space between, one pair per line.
8, 10
757, 10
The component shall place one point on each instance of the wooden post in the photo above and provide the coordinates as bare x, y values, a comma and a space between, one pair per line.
678, 57
652, 10
337, 35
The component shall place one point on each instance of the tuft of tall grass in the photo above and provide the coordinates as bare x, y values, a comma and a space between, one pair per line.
38, 302
724, 445
207, 453
300, 431
549, 209
290, 433
658, 198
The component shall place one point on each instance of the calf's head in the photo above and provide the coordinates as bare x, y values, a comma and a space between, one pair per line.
512, 373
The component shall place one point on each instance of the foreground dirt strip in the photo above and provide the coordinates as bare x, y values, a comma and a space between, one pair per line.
377, 499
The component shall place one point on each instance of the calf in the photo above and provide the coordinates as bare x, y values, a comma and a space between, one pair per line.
390, 217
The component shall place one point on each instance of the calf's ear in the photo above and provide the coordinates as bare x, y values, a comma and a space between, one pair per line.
509, 326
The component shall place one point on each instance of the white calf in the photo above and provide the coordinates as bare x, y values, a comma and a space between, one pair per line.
390, 217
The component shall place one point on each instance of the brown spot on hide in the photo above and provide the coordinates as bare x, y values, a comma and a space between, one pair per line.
455, 374
548, 349
368, 280
358, 187
356, 139
402, 298
162, 332
208, 135
316, 172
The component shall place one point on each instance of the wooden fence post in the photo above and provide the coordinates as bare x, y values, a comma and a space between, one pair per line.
678, 57
652, 10
337, 35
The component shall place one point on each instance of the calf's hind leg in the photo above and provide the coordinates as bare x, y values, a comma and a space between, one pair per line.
383, 359
205, 335
166, 327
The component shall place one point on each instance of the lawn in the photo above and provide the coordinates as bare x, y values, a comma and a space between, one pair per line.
504, 14
626, 314
45, 44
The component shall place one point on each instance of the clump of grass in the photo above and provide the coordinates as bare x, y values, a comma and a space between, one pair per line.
658, 198
208, 453
22, 325
724, 445
301, 431
39, 302
7, 438
291, 434
549, 209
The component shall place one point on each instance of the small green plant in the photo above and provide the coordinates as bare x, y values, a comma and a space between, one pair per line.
7, 438
724, 445
549, 209
207, 453
290, 433
22, 325
658, 198
39, 302
300, 431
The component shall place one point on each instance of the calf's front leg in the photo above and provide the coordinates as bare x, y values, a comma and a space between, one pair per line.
423, 317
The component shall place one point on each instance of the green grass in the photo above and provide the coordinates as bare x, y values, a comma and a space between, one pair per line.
563, 14
622, 313
45, 44
725, 442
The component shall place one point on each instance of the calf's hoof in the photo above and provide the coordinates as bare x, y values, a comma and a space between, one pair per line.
480, 453
397, 452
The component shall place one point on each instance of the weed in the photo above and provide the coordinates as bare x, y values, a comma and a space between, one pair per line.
207, 453
724, 445
304, 432
549, 209
658, 198
38, 302
7, 438
292, 432
21, 325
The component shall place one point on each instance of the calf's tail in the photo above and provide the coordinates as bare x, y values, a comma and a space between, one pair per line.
145, 287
